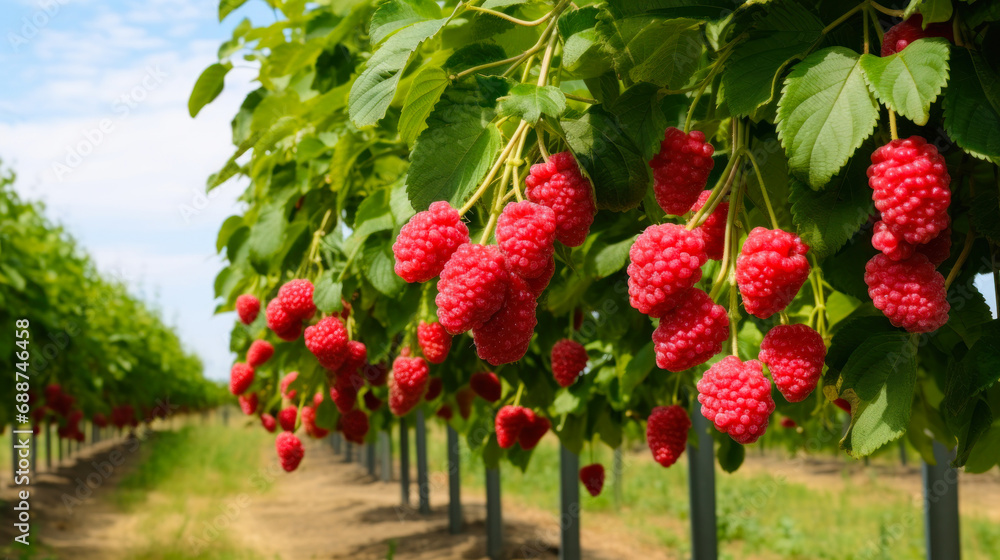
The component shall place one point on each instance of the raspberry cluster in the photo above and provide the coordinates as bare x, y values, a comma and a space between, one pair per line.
691, 333
472, 287
296, 298
559, 184
680, 169
487, 385
569, 358
285, 326
434, 341
713, 229
910, 187
408, 384
247, 307
899, 36
427, 241
667, 432
240, 378
517, 424
327, 340
664, 263
794, 354
344, 392
260, 351
592, 478
526, 234
309, 423
287, 417
910, 292
248, 403
354, 425
736, 397
770, 270
505, 336
290, 451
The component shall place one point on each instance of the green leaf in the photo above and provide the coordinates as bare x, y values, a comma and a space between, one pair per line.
393, 15
424, 93
978, 423
476, 54
612, 160
731, 454
583, 53
910, 80
977, 372
529, 102
825, 113
374, 89
326, 415
986, 454
453, 154
826, 219
208, 87
878, 380
635, 369
985, 214
609, 428
932, 10
700, 9
327, 295
640, 112
971, 112
267, 235
229, 226
647, 48
227, 7
786, 32
609, 259
379, 263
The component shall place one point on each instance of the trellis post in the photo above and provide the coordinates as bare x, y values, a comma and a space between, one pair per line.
569, 505
404, 461
941, 506
454, 484
494, 518
423, 481
701, 486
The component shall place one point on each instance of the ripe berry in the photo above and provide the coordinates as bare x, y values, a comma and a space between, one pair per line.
354, 424
770, 270
309, 422
444, 413
681, 169
664, 262
842, 404
355, 357
937, 250
434, 387
691, 333
427, 241
269, 423
891, 245
376, 374
290, 451
260, 351
592, 477
486, 385
910, 187
296, 298
435, 342
372, 402
505, 337
287, 416
667, 433
736, 397
533, 431
247, 307
327, 340
899, 36
526, 233
569, 358
713, 229
909, 292
472, 287
408, 383
286, 381
344, 392
510, 420
794, 354
464, 398
788, 423
538, 285
240, 378
248, 403
281, 322
559, 184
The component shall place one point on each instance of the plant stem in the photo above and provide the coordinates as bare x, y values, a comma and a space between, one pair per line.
864, 13
493, 170
884, 10
474, 69
763, 189
347, 265
517, 396
511, 19
966, 249
543, 73
581, 98
497, 203
892, 125
717, 193
843, 18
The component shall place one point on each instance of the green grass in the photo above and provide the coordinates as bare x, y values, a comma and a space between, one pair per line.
760, 516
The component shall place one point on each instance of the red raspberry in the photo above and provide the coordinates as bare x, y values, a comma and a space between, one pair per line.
559, 185
891, 245
290, 451
284, 325
354, 424
309, 422
286, 382
372, 402
842, 404
52, 392
247, 307
526, 233
794, 354
788, 423
592, 477
408, 383
910, 187
240, 378
506, 336
376, 374
899, 36
472, 287
260, 352
327, 340
569, 358
538, 285
287, 416
317, 399
909, 292
99, 420
690, 334
577, 319
444, 413
355, 357
296, 297
510, 420
427, 241
937, 250
435, 342
736, 397
681, 169
434, 388
269, 423
664, 262
667, 433
248, 403
486, 385
770, 270
464, 399
534, 430
344, 392
713, 229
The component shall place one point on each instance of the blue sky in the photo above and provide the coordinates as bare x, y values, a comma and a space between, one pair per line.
93, 117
